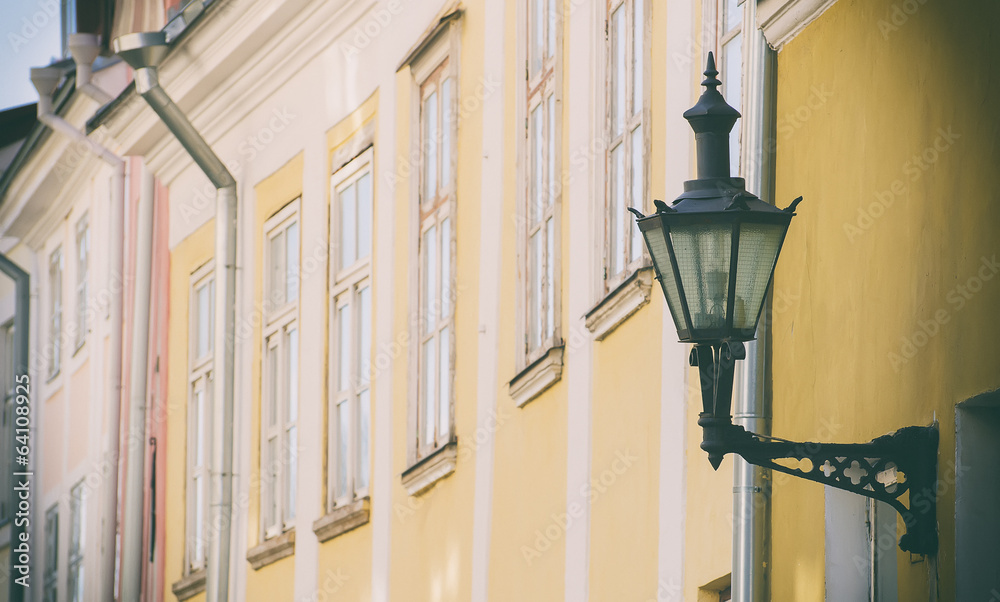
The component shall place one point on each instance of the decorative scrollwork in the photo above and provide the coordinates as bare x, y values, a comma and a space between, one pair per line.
890, 468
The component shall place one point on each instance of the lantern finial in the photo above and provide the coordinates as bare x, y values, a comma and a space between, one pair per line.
710, 72
712, 119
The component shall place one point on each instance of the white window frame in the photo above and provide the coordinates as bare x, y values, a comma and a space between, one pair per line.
617, 220
82, 276
725, 40
540, 206
77, 543
350, 283
50, 574
438, 60
279, 476
56, 274
200, 381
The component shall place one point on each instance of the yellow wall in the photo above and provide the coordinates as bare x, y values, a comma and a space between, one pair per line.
52, 459
190, 254
881, 336
345, 560
431, 549
271, 582
79, 410
527, 534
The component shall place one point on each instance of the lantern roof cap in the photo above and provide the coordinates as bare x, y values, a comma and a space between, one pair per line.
711, 113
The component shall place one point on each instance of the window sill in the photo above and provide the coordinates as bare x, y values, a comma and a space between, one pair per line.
190, 585
342, 519
538, 376
430, 469
619, 304
272, 550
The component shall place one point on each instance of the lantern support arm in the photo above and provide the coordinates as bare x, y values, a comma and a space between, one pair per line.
885, 469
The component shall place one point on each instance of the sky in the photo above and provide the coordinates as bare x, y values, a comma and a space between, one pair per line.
29, 37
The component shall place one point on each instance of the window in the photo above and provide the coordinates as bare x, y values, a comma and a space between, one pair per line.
436, 244
280, 401
77, 530
626, 136
55, 310
540, 231
6, 413
351, 337
50, 584
200, 406
82, 265
860, 547
730, 51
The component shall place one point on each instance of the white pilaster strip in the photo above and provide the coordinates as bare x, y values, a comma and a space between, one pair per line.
490, 253
583, 52
383, 270
683, 56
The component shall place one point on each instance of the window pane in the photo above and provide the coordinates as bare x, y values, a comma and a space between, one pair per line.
618, 71
365, 216
365, 328
638, 31
199, 430
430, 146
204, 315
733, 14
552, 183
292, 471
617, 219
343, 439
199, 518
272, 486
537, 34
638, 195
364, 427
272, 386
535, 279
550, 277
344, 348
550, 38
277, 284
446, 268
430, 400
348, 225
430, 268
732, 55
537, 158
292, 340
444, 413
292, 258
446, 123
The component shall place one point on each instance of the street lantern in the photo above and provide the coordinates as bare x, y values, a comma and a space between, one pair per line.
714, 250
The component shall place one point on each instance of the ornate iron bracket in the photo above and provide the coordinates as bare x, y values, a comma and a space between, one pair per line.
886, 468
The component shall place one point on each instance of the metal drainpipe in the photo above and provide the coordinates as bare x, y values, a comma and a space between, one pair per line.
17, 592
144, 52
45, 80
751, 486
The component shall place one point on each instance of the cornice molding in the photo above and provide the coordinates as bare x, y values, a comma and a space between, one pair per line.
238, 58
782, 20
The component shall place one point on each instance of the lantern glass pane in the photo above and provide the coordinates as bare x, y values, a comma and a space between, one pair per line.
656, 242
702, 252
758, 251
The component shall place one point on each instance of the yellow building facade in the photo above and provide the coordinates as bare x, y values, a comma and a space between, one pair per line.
455, 376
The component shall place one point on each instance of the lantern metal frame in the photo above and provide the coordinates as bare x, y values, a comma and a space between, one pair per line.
892, 468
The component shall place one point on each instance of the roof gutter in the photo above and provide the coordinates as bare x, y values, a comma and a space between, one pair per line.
144, 52
45, 80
